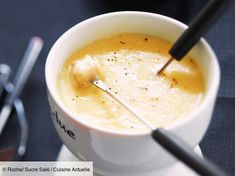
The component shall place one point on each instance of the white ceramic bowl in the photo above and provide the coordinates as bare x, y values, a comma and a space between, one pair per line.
118, 153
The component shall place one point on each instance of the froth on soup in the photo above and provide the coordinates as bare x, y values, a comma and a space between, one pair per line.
128, 64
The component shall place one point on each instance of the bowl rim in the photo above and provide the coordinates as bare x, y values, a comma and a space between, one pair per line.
210, 95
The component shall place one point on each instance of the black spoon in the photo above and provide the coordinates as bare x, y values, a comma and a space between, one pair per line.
198, 27
169, 141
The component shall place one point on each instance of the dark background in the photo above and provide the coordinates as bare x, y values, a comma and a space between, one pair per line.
21, 19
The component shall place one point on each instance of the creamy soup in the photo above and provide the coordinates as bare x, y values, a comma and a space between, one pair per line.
128, 64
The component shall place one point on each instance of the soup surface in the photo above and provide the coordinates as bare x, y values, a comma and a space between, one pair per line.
129, 63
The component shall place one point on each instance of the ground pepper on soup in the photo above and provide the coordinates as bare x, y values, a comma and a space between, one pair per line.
129, 63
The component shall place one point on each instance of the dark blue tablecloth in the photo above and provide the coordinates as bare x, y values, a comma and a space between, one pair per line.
19, 20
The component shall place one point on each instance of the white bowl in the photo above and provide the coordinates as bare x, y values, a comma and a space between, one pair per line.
112, 151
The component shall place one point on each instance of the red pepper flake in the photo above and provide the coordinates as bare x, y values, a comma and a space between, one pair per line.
191, 60
146, 39
158, 51
112, 59
122, 42
126, 74
109, 88
114, 53
108, 59
116, 80
132, 127
73, 99
115, 92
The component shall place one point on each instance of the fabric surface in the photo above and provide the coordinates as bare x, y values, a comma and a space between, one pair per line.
19, 20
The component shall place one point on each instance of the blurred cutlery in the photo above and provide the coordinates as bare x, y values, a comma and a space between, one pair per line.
28, 61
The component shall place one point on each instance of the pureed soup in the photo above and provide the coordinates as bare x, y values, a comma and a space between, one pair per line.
129, 63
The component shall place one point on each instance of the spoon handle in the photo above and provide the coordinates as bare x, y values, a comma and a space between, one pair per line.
28, 61
169, 141
31, 54
183, 152
201, 23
